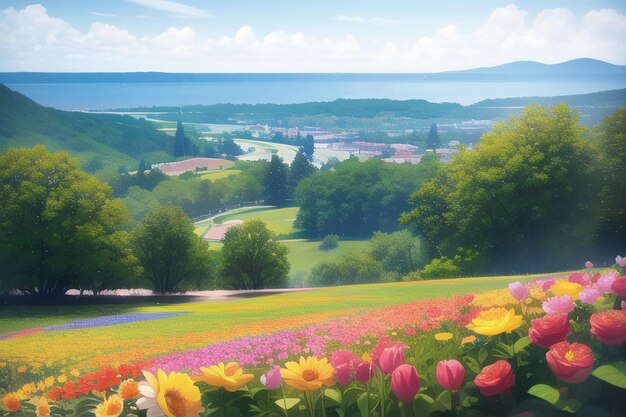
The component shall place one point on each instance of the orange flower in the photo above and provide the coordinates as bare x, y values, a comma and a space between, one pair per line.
468, 339
111, 407
229, 376
21, 369
11, 401
43, 408
128, 389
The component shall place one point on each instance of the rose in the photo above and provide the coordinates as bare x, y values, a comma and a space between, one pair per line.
495, 379
579, 278
589, 295
519, 291
570, 363
588, 265
549, 329
555, 304
609, 327
620, 261
405, 383
605, 282
450, 374
619, 286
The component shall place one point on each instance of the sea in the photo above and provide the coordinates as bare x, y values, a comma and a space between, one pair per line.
300, 88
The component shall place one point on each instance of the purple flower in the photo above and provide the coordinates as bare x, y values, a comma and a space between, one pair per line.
519, 291
589, 295
606, 281
563, 304
272, 378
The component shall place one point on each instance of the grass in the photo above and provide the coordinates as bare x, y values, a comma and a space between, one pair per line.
279, 221
304, 255
216, 175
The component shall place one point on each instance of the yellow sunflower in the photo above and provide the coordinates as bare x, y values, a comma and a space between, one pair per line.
229, 376
308, 375
172, 395
43, 408
495, 321
111, 407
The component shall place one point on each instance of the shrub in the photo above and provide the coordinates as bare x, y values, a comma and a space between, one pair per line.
352, 268
440, 268
329, 242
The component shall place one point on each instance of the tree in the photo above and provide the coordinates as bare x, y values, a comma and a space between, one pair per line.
432, 140
300, 169
59, 226
398, 252
522, 201
276, 181
352, 268
252, 259
309, 146
173, 257
182, 144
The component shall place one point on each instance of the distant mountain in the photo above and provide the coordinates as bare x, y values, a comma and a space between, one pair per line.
611, 98
581, 66
102, 142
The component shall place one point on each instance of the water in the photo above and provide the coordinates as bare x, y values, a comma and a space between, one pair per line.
298, 89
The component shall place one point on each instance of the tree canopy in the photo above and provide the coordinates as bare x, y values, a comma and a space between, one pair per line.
276, 181
252, 259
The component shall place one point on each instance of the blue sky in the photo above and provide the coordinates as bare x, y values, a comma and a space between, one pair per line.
304, 36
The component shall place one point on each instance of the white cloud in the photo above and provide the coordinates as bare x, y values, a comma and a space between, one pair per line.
173, 7
379, 21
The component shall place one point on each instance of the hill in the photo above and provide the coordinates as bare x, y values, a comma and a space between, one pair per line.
102, 142
575, 67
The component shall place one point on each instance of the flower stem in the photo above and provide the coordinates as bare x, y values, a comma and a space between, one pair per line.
323, 403
282, 388
381, 390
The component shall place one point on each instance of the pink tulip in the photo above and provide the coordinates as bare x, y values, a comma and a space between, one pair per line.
405, 383
620, 261
272, 378
391, 358
588, 265
364, 372
589, 295
450, 374
563, 304
519, 291
342, 371
344, 356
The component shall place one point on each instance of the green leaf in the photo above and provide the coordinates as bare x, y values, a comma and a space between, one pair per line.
333, 395
613, 373
364, 404
423, 405
350, 396
546, 392
521, 344
504, 351
445, 399
287, 403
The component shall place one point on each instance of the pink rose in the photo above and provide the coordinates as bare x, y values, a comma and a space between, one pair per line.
563, 304
579, 278
519, 291
620, 261
588, 265
606, 281
589, 295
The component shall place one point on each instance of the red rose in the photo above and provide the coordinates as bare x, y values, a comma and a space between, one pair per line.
619, 286
609, 326
495, 379
549, 329
571, 363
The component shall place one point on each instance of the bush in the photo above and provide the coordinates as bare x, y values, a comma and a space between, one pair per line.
329, 242
352, 268
440, 268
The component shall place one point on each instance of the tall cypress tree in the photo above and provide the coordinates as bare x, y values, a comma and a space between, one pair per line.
432, 141
276, 181
180, 141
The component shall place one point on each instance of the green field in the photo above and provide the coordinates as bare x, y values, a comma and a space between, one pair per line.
305, 254
279, 221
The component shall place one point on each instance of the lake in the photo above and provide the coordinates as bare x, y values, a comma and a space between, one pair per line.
299, 88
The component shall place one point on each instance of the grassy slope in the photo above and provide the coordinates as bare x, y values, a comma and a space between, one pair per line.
280, 221
216, 175
304, 255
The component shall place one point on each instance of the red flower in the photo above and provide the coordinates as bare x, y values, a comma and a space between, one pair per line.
391, 358
609, 326
619, 286
364, 372
405, 383
549, 329
571, 363
55, 393
495, 379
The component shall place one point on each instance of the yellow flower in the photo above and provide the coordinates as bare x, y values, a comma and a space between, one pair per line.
49, 381
442, 337
3, 364
111, 407
43, 408
21, 369
468, 339
62, 379
308, 375
28, 389
537, 293
12, 401
494, 298
74, 372
366, 357
172, 395
495, 321
128, 389
41, 386
562, 287
229, 376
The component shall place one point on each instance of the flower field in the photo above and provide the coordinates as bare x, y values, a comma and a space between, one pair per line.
480, 346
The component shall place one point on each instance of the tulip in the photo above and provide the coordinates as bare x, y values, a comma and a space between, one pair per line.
344, 356
620, 261
342, 372
588, 265
272, 378
570, 363
391, 358
609, 327
549, 329
519, 291
495, 379
364, 372
450, 374
405, 383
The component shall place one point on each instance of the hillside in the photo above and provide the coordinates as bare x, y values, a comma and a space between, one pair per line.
581, 66
102, 142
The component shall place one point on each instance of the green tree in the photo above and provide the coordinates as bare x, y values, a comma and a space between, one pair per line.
432, 140
182, 144
276, 181
523, 200
300, 169
173, 257
59, 226
398, 252
252, 259
352, 268
309, 146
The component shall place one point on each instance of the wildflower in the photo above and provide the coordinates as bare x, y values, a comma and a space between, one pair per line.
570, 363
519, 291
589, 295
111, 407
11, 401
495, 321
74, 372
468, 339
310, 374
229, 376
562, 287
562, 304
272, 378
495, 379
443, 337
537, 292
3, 364
549, 329
405, 383
43, 408
609, 327
62, 379
22, 369
450, 374
172, 395
128, 389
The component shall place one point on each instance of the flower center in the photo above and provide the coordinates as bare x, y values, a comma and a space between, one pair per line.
309, 375
569, 355
175, 402
114, 408
231, 369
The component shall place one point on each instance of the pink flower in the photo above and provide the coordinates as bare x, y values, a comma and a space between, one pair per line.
450, 374
589, 295
570, 363
405, 383
546, 285
588, 265
620, 261
623, 305
342, 371
563, 304
579, 278
519, 291
343, 356
391, 358
272, 378
606, 281
364, 372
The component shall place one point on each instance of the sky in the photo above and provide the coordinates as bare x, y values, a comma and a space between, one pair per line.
304, 36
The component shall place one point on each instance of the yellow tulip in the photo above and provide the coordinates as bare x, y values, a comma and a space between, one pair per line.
495, 321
